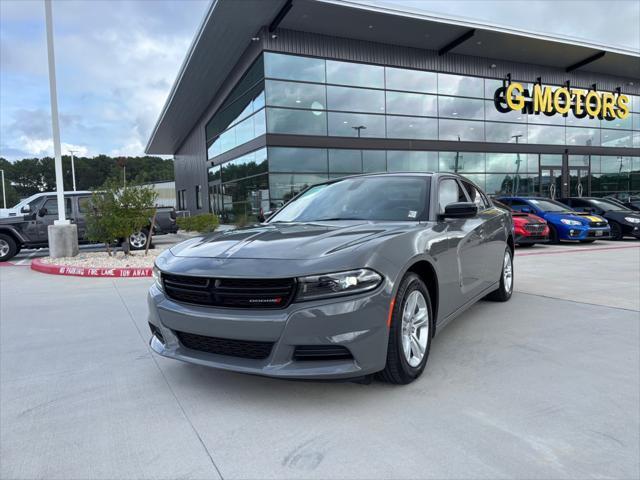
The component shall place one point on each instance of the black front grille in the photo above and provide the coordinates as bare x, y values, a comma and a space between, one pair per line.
534, 227
321, 352
598, 224
226, 346
230, 292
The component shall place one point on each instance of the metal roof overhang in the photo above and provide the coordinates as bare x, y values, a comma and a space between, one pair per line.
229, 25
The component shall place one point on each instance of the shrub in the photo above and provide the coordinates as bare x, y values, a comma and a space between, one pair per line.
116, 213
203, 223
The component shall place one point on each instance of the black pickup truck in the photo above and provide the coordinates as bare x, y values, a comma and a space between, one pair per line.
29, 229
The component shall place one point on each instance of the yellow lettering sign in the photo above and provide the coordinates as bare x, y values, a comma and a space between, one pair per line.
515, 102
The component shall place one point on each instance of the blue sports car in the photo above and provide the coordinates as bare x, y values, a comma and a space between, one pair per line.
564, 223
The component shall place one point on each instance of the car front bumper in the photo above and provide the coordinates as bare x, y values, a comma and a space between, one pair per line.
356, 323
633, 231
528, 239
582, 232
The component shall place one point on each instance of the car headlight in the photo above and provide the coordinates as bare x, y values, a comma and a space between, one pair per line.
632, 219
337, 284
157, 277
566, 221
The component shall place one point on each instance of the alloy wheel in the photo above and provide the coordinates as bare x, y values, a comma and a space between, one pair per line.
507, 271
138, 239
4, 248
415, 328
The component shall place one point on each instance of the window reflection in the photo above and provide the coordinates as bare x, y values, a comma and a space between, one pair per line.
403, 161
467, 108
374, 161
411, 80
462, 162
506, 132
412, 127
616, 138
460, 86
286, 159
412, 104
290, 67
285, 186
491, 114
296, 95
304, 122
583, 136
356, 125
345, 161
546, 134
465, 131
355, 99
506, 162
356, 74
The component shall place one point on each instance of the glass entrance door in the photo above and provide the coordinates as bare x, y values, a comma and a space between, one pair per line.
579, 182
550, 182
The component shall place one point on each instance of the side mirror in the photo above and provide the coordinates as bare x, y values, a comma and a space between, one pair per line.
25, 209
460, 210
42, 212
525, 210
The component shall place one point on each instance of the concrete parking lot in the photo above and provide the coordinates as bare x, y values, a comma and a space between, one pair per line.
544, 386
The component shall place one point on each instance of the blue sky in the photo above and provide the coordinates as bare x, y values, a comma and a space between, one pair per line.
117, 59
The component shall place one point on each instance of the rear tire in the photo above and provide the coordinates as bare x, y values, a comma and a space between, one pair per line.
8, 247
505, 290
410, 332
616, 231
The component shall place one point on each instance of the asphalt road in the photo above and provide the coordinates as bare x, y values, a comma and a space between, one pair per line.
544, 386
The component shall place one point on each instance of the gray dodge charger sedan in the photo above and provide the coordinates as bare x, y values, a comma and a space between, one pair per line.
351, 277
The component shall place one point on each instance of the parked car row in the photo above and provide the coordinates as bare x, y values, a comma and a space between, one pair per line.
582, 219
28, 222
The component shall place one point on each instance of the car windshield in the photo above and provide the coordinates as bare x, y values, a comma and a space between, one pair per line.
383, 198
549, 205
607, 206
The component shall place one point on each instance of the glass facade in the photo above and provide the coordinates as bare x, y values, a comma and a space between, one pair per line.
388, 102
296, 95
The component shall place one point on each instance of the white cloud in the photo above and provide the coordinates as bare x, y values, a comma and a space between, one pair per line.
41, 147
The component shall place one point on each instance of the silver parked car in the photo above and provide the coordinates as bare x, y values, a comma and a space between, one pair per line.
351, 277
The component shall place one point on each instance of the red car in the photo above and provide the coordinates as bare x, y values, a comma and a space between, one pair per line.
528, 228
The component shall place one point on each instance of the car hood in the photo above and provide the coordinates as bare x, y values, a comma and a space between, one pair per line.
290, 241
582, 218
520, 217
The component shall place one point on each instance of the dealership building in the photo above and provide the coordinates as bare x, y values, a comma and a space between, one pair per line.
276, 95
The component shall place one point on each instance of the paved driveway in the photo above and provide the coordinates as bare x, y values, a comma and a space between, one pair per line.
545, 386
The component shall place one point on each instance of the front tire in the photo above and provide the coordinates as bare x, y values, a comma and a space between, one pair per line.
8, 247
505, 290
554, 238
410, 332
616, 231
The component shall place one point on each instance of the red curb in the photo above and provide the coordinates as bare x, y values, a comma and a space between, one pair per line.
129, 272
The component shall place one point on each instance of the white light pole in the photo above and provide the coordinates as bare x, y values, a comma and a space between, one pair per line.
54, 115
4, 192
73, 169
62, 235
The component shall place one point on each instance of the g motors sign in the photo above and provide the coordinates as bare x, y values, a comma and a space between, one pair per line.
560, 101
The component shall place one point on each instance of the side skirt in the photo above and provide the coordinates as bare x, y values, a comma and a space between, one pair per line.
445, 321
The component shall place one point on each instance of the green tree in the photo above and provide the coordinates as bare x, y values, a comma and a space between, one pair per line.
118, 212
